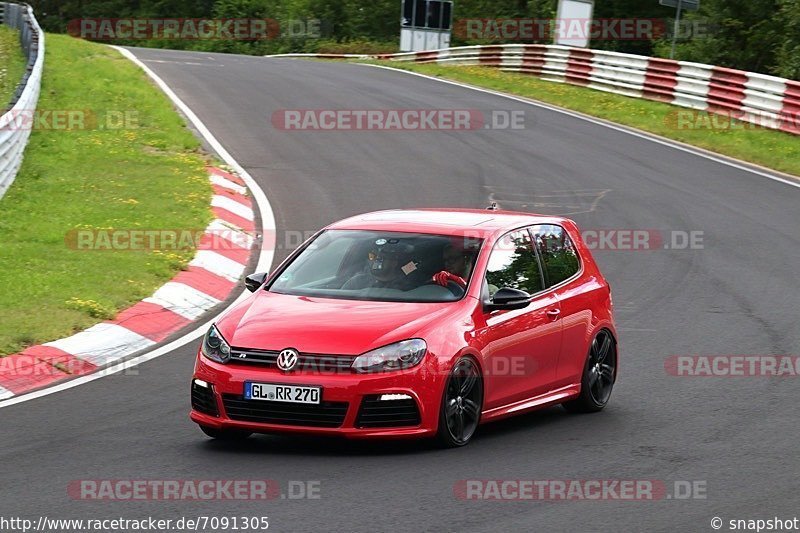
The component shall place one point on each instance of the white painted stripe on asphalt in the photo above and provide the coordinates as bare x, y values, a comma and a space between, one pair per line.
231, 232
5, 393
789, 180
183, 300
233, 206
264, 260
222, 181
102, 343
218, 264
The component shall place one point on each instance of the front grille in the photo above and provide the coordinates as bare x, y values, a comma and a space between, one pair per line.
203, 400
323, 415
306, 362
375, 413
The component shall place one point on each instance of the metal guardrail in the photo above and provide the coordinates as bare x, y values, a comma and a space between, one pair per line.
768, 101
17, 121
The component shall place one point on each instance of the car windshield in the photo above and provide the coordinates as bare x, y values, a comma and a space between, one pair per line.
381, 266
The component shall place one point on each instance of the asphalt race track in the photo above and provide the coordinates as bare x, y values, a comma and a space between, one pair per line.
738, 294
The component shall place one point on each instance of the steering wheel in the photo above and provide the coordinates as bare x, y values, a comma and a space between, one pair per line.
452, 286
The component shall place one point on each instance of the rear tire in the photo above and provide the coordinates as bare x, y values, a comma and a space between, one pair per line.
225, 434
599, 375
462, 403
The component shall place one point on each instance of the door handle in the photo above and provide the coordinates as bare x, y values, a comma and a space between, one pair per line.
553, 313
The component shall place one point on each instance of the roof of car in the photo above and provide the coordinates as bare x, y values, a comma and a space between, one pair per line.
478, 222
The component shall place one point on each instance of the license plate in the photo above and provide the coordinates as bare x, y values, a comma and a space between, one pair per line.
282, 393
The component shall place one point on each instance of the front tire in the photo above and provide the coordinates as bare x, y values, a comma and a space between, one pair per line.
462, 402
599, 376
225, 434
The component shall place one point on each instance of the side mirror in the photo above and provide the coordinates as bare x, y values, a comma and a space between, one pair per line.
507, 299
254, 281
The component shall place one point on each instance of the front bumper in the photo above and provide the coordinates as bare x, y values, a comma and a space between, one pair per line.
226, 384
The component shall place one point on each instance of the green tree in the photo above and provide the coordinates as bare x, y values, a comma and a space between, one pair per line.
788, 54
757, 35
743, 34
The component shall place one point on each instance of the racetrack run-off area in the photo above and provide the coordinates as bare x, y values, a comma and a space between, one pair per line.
208, 280
107, 151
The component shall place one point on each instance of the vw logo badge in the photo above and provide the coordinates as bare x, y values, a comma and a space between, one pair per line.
287, 359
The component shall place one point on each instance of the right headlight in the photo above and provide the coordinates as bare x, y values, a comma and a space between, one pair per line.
215, 347
403, 354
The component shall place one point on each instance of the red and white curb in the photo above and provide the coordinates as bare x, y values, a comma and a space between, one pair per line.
211, 276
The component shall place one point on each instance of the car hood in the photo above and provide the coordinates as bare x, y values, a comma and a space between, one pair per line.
271, 321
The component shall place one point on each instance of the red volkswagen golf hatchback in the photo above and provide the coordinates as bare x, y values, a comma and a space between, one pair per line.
412, 323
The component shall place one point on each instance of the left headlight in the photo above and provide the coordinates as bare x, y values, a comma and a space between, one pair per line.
403, 354
215, 347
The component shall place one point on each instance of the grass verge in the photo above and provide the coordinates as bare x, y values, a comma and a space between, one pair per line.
12, 64
126, 161
768, 148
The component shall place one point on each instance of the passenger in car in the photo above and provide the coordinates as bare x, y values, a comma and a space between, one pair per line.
457, 266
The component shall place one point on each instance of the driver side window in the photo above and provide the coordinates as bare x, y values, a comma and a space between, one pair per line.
513, 263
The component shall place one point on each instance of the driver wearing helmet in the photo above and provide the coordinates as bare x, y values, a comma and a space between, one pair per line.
389, 267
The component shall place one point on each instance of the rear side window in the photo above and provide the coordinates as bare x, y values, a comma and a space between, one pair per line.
559, 258
513, 264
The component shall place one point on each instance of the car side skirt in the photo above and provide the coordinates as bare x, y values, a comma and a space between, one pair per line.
529, 404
